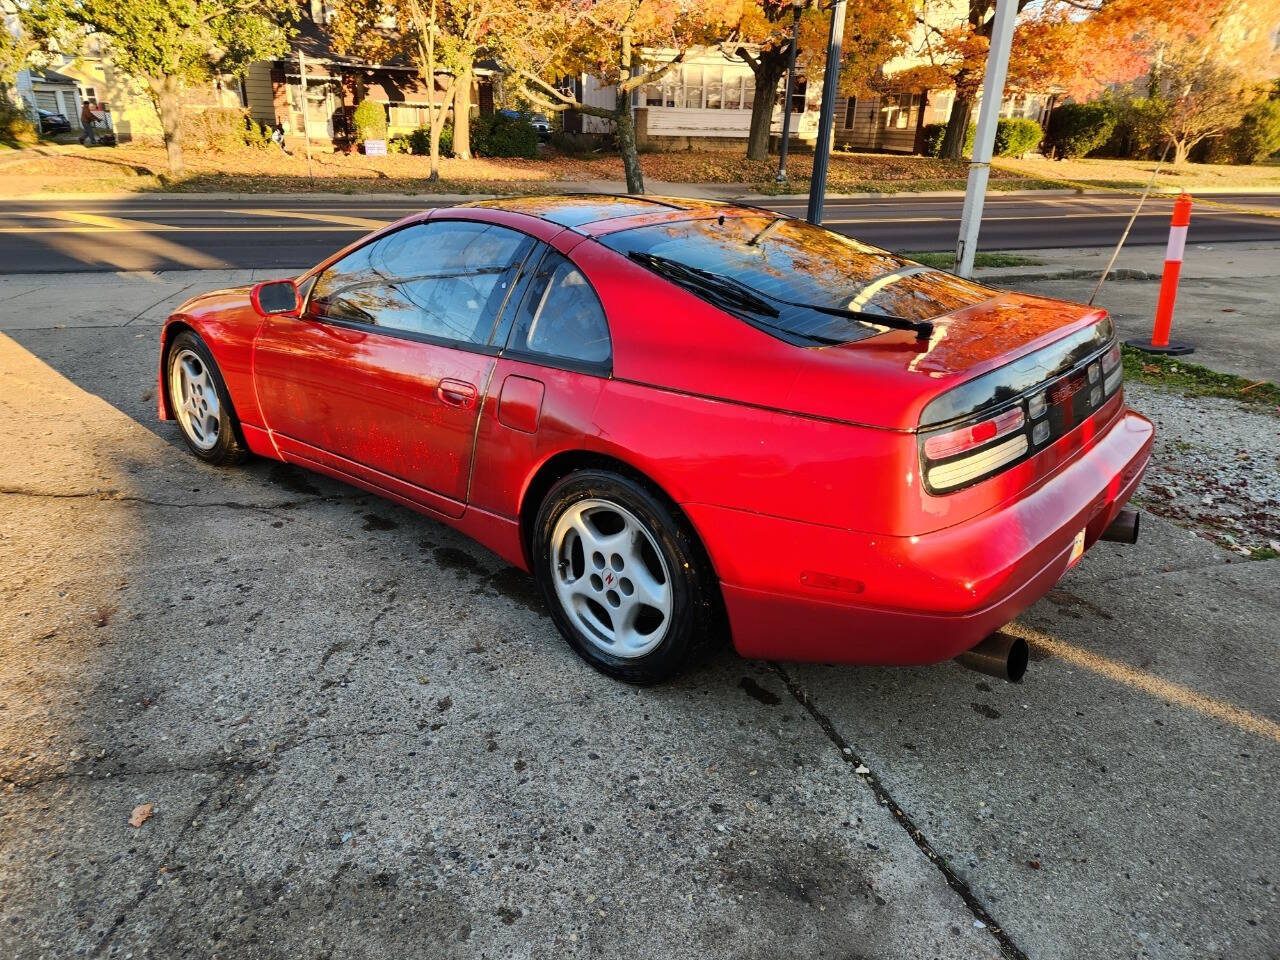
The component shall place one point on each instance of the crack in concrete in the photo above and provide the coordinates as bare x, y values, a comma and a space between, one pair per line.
153, 881
232, 763
110, 495
851, 756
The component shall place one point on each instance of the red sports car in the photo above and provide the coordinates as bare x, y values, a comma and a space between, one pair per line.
689, 420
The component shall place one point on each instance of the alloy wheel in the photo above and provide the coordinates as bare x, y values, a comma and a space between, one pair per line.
195, 398
611, 578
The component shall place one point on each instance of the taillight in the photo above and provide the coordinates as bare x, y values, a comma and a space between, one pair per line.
972, 452
943, 445
959, 454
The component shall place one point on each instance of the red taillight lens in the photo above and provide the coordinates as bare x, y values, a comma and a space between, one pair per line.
943, 445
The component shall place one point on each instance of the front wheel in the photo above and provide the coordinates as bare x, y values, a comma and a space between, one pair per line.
200, 402
625, 578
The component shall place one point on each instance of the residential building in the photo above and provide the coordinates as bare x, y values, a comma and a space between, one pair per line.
336, 83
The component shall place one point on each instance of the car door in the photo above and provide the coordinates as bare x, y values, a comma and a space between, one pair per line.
384, 375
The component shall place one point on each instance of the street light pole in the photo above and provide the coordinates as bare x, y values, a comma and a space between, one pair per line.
822, 149
796, 7
984, 137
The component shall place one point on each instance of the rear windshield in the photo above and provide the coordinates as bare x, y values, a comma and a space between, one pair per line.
793, 262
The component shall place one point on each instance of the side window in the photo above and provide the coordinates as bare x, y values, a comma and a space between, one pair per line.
446, 279
561, 316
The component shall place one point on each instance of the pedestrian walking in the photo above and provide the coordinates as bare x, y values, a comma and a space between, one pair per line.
87, 120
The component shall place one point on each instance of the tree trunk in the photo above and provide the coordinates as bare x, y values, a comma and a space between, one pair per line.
462, 115
1181, 149
166, 93
769, 68
626, 127
957, 128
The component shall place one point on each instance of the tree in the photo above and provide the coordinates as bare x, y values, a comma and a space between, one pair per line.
873, 35
167, 44
420, 34
1080, 46
452, 34
623, 44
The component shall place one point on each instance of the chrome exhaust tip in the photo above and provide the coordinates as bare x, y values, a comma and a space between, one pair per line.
1000, 655
1124, 528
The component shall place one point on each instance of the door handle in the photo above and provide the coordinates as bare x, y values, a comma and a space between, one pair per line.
456, 393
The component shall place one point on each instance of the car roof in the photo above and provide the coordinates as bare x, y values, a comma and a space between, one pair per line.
589, 212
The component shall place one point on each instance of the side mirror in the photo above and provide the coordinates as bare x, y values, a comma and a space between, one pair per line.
276, 298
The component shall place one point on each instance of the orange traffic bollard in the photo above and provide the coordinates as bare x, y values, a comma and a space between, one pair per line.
1160, 342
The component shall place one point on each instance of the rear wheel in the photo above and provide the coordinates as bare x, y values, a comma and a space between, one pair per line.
625, 578
200, 402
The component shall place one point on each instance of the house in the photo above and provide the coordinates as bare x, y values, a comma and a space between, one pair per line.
337, 83
54, 92
705, 102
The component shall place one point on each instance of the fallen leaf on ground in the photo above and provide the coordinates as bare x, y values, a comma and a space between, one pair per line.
141, 814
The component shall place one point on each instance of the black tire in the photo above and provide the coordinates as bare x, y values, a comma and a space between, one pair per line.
696, 623
228, 447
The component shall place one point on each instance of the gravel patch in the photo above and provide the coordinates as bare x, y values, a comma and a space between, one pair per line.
1216, 468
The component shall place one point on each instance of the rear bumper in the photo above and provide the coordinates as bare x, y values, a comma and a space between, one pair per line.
797, 591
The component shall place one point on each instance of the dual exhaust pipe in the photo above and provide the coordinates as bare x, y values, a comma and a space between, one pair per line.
1004, 655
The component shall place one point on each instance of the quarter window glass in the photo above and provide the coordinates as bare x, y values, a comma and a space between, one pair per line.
561, 316
446, 279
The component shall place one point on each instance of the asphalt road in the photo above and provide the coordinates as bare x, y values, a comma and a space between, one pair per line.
173, 231
360, 735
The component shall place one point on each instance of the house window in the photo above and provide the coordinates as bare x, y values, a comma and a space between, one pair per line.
749, 91
714, 77
898, 109
798, 96
693, 88
653, 94
850, 108
733, 93
90, 93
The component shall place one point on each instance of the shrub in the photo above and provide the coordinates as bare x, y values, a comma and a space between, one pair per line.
370, 120
1016, 136
1077, 129
222, 130
501, 135
16, 128
933, 134
419, 142
1257, 137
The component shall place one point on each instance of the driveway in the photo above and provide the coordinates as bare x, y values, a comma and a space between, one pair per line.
361, 736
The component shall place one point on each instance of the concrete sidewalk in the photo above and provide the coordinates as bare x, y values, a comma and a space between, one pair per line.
1228, 297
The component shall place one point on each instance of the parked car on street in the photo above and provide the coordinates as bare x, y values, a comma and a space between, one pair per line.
51, 123
689, 420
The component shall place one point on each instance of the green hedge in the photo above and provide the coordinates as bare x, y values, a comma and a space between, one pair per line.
1256, 138
1077, 129
370, 121
1014, 137
496, 135
16, 128
419, 142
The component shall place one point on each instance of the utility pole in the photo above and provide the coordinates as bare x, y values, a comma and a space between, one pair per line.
796, 7
822, 149
306, 125
985, 136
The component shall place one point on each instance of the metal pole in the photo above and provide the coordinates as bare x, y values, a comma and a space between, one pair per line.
786, 103
985, 136
306, 126
822, 149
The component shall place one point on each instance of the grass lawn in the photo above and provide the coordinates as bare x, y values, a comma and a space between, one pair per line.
140, 168
1136, 173
1176, 374
945, 261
